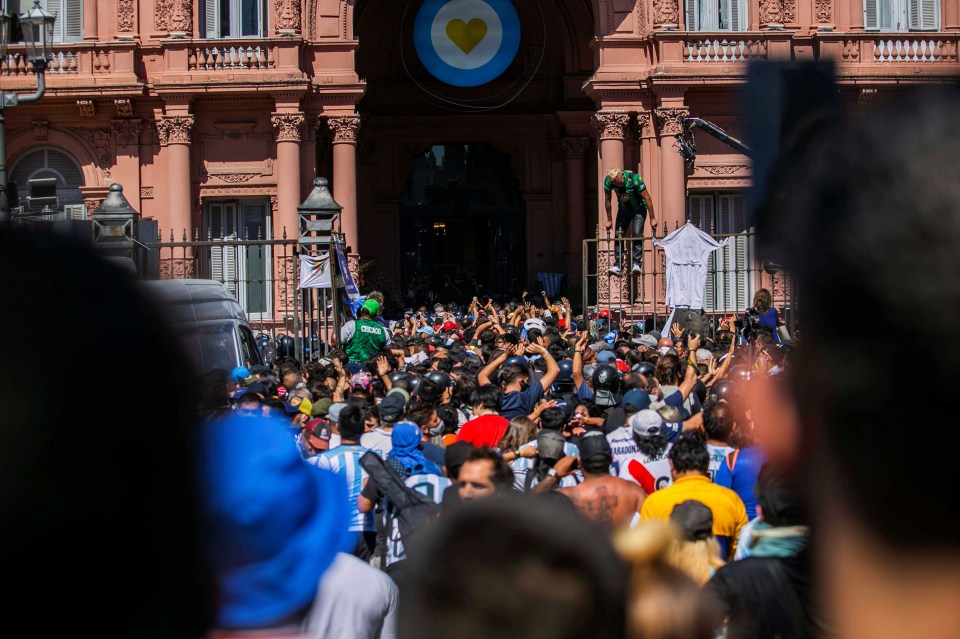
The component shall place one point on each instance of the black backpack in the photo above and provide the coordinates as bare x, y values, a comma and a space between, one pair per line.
412, 510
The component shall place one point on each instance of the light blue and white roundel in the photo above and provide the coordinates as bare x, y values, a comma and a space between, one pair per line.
466, 43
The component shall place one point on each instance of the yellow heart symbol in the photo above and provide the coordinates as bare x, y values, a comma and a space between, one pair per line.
466, 35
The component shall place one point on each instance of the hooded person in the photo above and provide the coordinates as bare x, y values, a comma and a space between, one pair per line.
406, 456
268, 552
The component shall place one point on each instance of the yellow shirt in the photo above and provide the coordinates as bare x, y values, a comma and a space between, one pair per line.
729, 513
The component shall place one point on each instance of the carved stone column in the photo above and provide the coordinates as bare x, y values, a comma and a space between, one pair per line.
175, 132
126, 135
90, 20
673, 198
288, 129
345, 130
574, 151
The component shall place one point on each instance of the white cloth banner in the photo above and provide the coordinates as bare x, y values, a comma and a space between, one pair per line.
315, 271
687, 250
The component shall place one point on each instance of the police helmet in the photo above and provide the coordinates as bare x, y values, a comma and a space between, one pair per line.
566, 371
606, 378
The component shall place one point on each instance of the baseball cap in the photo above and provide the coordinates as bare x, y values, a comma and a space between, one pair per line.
604, 313
372, 306
594, 443
646, 423
426, 329
456, 454
648, 340
362, 379
240, 374
333, 413
605, 357
450, 326
297, 404
550, 444
694, 519
535, 322
703, 355
319, 433
600, 346
392, 407
636, 400
321, 406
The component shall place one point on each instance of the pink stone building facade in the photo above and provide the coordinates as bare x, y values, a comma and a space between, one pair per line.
216, 116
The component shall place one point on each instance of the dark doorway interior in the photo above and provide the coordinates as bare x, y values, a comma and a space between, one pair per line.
462, 224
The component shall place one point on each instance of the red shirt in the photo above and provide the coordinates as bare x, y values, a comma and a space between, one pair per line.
486, 430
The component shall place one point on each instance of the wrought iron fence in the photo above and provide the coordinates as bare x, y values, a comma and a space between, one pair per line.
263, 276
734, 274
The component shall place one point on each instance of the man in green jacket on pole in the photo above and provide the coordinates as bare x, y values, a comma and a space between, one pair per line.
364, 336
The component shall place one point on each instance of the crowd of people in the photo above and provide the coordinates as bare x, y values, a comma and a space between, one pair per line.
423, 416
513, 471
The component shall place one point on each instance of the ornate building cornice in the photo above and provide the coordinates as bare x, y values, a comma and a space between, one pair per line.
574, 148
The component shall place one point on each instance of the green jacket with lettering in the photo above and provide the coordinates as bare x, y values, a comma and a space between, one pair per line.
368, 338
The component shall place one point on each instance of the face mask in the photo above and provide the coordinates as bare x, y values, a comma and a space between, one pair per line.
437, 430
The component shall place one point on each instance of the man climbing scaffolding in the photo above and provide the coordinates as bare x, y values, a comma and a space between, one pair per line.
633, 205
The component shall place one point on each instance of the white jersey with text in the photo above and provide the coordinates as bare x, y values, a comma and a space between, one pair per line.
432, 487
718, 456
522, 465
652, 473
623, 446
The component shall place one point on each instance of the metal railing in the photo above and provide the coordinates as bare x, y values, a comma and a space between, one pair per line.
734, 275
263, 275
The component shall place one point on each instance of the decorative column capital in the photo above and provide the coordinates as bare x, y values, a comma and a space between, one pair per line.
667, 13
574, 148
643, 121
175, 129
670, 119
173, 16
611, 124
344, 128
288, 127
127, 132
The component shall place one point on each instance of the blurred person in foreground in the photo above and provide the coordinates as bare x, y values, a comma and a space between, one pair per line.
524, 567
697, 552
874, 200
663, 602
105, 520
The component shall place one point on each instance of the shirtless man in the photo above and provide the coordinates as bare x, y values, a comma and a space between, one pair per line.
610, 501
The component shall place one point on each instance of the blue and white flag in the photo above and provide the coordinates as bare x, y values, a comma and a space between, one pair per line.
315, 271
348, 284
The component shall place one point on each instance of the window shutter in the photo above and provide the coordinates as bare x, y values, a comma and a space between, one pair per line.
75, 212
738, 15
690, 15
871, 14
742, 262
922, 15
700, 211
211, 19
54, 7
73, 20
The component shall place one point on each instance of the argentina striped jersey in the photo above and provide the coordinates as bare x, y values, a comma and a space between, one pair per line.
345, 462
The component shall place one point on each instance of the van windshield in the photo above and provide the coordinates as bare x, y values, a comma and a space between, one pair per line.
211, 346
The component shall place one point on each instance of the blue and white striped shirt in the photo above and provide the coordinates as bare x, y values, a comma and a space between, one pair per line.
345, 462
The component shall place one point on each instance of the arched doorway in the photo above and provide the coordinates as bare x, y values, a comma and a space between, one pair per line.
48, 162
406, 112
462, 222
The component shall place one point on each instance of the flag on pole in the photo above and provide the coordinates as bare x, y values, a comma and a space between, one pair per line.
348, 284
315, 271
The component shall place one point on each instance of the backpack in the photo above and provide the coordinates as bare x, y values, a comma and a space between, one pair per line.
412, 510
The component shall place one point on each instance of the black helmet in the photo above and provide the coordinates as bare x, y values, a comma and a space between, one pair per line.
566, 371
440, 378
414, 385
644, 368
519, 360
726, 389
606, 378
395, 375
739, 373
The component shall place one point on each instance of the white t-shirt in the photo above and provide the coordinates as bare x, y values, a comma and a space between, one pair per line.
379, 441
718, 456
652, 473
432, 486
354, 601
687, 250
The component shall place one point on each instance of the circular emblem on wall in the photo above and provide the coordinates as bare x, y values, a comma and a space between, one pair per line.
466, 43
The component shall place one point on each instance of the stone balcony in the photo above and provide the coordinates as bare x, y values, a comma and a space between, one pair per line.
81, 68
720, 57
227, 66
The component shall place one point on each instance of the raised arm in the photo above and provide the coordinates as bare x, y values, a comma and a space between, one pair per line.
483, 377
552, 368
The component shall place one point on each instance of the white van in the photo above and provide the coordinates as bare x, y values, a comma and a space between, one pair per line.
212, 325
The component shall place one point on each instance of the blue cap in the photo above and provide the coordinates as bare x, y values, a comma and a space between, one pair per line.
637, 398
268, 551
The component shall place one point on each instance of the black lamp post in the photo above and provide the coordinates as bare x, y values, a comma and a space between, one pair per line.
37, 27
318, 215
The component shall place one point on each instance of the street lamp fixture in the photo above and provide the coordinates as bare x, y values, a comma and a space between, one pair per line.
37, 25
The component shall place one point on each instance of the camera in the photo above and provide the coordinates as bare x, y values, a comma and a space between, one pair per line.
748, 322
